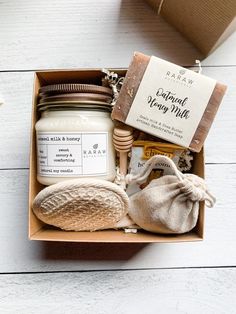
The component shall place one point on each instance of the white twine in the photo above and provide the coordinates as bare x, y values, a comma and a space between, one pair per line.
160, 7
198, 62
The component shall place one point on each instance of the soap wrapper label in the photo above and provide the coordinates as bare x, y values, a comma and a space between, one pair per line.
72, 154
170, 101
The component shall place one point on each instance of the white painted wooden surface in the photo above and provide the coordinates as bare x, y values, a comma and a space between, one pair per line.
172, 291
89, 33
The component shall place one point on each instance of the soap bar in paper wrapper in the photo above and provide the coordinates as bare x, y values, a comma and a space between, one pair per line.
168, 101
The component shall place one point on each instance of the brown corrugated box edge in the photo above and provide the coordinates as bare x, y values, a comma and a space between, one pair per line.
205, 23
42, 232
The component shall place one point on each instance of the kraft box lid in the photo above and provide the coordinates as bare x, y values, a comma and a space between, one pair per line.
205, 23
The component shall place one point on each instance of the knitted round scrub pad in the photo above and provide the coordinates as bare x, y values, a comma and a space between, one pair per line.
81, 205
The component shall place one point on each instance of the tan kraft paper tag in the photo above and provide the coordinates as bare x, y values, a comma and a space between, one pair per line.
170, 101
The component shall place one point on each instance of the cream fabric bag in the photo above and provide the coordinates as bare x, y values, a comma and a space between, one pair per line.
169, 204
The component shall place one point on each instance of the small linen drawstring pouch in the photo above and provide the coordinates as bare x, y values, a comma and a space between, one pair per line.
169, 204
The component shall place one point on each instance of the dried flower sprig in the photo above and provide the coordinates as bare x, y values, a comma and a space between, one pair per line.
115, 82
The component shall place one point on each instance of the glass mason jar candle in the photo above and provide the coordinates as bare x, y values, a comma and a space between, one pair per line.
74, 133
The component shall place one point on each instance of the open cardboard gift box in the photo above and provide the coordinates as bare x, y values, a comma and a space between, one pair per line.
40, 231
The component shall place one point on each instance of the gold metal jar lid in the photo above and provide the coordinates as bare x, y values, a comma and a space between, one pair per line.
72, 96
74, 88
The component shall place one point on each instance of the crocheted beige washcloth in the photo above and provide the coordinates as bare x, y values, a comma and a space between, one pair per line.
82, 205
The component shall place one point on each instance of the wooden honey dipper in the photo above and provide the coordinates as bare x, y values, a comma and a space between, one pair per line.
123, 140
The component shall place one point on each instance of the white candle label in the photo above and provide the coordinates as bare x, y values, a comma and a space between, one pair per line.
170, 101
72, 154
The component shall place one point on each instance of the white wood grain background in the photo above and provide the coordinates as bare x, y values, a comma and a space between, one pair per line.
80, 278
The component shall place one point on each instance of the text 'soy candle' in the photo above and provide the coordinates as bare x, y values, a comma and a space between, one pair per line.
168, 101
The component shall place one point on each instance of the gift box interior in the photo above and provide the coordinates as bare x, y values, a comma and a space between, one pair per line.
40, 231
